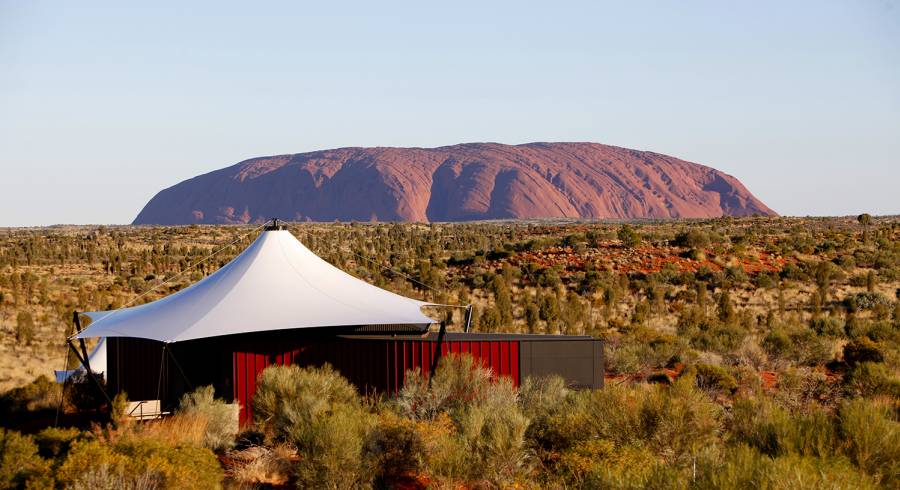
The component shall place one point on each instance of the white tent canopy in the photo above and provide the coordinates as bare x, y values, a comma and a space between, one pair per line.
275, 284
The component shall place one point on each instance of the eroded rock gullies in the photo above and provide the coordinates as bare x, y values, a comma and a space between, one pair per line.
455, 183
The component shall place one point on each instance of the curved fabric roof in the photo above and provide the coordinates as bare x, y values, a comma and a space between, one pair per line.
275, 284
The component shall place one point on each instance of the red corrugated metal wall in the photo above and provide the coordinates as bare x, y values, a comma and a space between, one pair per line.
378, 365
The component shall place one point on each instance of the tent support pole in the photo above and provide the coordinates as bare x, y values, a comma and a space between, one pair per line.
162, 364
437, 353
89, 372
468, 320
62, 391
86, 360
186, 380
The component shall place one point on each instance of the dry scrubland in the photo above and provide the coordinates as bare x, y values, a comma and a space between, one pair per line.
740, 352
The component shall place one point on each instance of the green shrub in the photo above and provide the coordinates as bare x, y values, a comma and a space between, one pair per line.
579, 417
178, 466
286, 395
82, 392
692, 238
720, 337
872, 435
458, 381
869, 379
774, 431
793, 272
490, 428
597, 463
117, 416
133, 463
736, 275
493, 430
679, 420
765, 281
778, 343
330, 443
20, 463
828, 326
615, 437
54, 442
630, 356
90, 455
714, 378
449, 460
24, 330
395, 447
797, 343
709, 333
865, 301
673, 421
542, 396
744, 467
802, 387
876, 331
221, 418
584, 458
40, 394
862, 350
629, 236
318, 411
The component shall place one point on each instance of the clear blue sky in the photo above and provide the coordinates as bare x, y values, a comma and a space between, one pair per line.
103, 104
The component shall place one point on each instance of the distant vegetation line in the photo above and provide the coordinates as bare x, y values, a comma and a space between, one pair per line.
740, 352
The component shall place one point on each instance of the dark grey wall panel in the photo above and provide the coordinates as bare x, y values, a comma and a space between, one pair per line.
579, 362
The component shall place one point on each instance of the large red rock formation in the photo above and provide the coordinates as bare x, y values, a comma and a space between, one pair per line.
455, 183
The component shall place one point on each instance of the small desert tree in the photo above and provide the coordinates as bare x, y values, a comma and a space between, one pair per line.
549, 309
532, 316
503, 300
870, 281
865, 220
823, 274
725, 308
24, 328
490, 320
629, 237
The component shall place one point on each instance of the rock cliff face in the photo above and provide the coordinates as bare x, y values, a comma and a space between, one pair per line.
455, 183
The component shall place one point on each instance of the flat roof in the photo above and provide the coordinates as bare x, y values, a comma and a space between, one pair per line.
468, 336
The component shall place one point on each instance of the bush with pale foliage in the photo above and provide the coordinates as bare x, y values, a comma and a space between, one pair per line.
221, 417
319, 412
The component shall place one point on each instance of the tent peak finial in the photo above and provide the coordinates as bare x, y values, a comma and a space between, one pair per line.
274, 226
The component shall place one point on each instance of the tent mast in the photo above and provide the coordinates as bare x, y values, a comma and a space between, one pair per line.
90, 373
272, 225
86, 362
437, 352
83, 356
